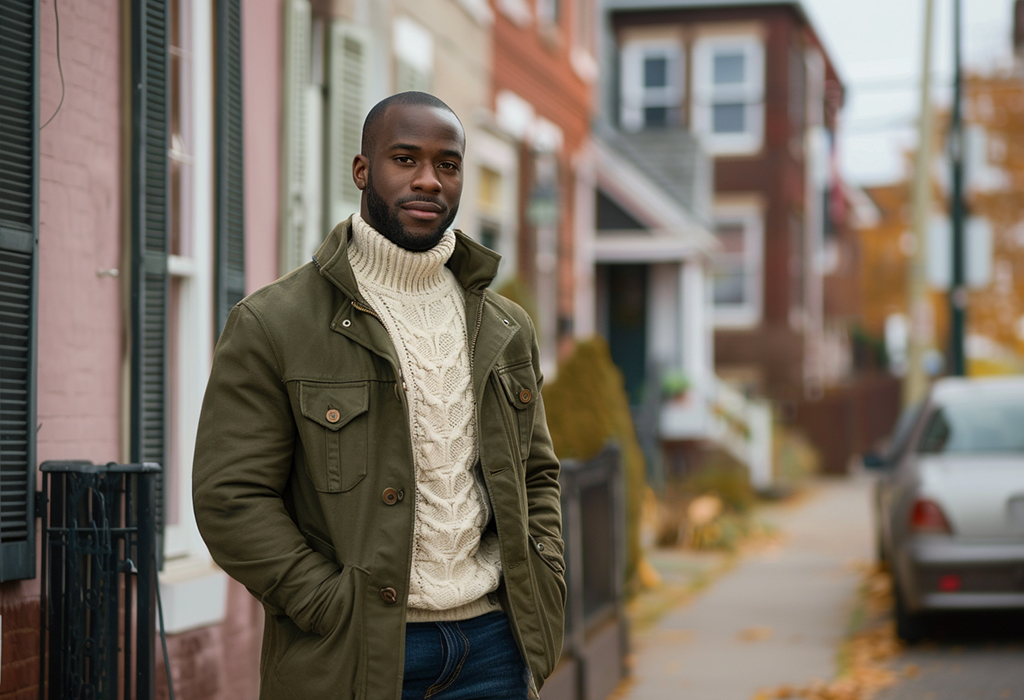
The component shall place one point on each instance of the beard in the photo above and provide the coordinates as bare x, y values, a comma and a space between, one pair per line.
385, 220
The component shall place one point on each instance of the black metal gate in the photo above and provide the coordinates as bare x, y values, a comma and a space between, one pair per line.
98, 581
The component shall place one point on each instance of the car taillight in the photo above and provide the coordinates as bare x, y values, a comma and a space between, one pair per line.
927, 516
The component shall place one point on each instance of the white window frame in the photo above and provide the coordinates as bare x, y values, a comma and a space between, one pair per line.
414, 55
707, 94
193, 589
497, 154
750, 311
634, 97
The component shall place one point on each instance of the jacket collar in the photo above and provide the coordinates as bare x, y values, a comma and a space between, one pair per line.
473, 265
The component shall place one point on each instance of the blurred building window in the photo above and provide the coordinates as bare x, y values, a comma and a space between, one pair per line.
738, 265
549, 12
728, 96
414, 56
496, 223
651, 86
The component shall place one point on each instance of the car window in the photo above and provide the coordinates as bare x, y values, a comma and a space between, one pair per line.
991, 426
901, 433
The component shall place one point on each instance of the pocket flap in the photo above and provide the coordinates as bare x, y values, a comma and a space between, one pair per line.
333, 405
520, 385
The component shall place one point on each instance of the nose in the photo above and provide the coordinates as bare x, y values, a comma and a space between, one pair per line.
426, 179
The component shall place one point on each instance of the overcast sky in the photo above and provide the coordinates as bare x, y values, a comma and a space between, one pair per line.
877, 45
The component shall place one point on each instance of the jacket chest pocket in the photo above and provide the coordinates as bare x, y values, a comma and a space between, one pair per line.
334, 433
520, 386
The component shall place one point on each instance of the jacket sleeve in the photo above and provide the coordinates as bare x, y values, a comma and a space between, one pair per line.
543, 495
243, 459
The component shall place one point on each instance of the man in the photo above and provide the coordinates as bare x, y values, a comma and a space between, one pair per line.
372, 459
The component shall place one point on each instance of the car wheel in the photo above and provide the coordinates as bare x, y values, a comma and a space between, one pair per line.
911, 627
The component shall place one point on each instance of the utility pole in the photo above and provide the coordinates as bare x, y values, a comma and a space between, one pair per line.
957, 287
915, 381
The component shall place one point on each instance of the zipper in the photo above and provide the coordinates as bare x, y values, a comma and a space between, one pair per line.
476, 332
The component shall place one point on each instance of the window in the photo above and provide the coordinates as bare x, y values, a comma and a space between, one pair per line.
326, 96
496, 200
728, 100
738, 266
651, 84
973, 427
19, 149
414, 56
549, 12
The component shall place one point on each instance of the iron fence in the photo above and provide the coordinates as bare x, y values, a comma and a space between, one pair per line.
593, 527
98, 581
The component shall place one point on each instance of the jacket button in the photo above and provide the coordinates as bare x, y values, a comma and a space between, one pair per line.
525, 396
333, 416
390, 496
540, 546
389, 595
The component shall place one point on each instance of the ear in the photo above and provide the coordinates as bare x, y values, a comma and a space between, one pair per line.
360, 170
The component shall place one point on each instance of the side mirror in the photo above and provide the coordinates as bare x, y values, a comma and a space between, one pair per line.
874, 461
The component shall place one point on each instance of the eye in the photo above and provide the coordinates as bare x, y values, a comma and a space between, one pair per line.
403, 159
448, 165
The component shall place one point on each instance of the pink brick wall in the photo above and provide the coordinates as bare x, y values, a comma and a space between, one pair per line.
79, 312
80, 344
261, 45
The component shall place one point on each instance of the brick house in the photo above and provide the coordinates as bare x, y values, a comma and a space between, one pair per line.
754, 82
544, 70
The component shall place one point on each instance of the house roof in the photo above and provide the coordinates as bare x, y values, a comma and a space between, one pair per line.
672, 230
797, 5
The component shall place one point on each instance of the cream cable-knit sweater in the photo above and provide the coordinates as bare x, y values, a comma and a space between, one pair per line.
422, 306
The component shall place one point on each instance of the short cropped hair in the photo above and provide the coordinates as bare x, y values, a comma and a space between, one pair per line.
372, 123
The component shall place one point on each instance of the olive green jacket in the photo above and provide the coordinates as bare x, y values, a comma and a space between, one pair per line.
304, 484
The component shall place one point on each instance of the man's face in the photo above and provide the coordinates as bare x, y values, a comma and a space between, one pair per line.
412, 181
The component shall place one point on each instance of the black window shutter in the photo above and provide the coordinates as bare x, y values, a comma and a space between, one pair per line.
230, 199
19, 181
149, 223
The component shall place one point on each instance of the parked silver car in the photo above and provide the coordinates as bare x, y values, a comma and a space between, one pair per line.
949, 510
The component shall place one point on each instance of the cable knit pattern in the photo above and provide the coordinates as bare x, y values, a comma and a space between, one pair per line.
422, 306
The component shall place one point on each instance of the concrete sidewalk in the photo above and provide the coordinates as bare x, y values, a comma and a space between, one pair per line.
777, 618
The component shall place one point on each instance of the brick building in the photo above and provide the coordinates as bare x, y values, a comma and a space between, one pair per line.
544, 69
753, 81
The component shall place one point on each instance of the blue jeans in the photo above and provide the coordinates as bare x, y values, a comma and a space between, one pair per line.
475, 659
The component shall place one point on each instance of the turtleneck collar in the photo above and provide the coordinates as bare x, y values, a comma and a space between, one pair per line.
376, 261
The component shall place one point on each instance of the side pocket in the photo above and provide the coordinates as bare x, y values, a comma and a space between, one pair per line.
335, 433
550, 597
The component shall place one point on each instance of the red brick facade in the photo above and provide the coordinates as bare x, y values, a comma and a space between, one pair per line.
533, 61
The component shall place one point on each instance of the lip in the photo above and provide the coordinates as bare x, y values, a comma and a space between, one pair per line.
425, 211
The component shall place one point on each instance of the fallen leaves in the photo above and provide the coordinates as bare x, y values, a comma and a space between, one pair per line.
756, 634
866, 654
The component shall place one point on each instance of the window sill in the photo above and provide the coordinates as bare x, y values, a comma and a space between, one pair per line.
194, 593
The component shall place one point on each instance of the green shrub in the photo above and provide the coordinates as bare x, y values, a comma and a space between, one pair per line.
587, 407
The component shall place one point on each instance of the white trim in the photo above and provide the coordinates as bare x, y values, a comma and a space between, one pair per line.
518, 11
750, 92
628, 185
648, 246
749, 312
635, 97
500, 156
194, 594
